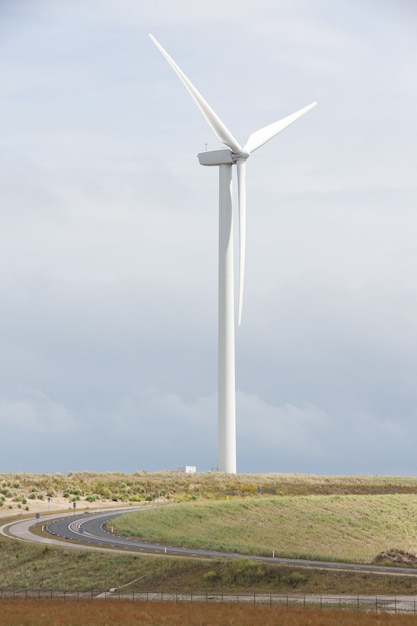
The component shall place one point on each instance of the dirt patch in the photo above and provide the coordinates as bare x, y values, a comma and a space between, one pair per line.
396, 557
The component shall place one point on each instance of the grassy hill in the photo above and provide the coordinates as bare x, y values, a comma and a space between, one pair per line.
344, 528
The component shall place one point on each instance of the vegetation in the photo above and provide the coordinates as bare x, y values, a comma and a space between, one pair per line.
178, 486
32, 566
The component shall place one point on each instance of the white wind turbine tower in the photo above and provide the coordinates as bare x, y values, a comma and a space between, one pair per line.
234, 154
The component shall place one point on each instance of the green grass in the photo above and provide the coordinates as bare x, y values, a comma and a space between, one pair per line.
346, 528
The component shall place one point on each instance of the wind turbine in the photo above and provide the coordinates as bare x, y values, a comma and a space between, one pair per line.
224, 159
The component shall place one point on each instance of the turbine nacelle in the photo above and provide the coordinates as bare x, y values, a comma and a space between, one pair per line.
224, 156
216, 157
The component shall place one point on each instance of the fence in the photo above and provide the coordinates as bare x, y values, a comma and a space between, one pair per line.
377, 604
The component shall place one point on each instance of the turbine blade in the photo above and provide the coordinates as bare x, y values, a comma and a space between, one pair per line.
260, 137
241, 186
214, 121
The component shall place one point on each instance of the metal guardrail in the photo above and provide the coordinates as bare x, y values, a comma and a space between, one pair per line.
376, 604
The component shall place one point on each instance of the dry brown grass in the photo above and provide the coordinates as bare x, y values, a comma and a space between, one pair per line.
22, 491
126, 613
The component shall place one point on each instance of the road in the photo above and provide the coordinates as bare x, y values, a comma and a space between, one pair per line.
87, 531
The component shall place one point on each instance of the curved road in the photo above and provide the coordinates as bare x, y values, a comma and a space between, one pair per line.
87, 531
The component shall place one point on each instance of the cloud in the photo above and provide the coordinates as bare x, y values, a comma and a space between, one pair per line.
35, 413
109, 226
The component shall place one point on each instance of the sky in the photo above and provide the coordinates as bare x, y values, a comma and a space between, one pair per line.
109, 235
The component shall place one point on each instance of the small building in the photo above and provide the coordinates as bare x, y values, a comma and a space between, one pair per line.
188, 469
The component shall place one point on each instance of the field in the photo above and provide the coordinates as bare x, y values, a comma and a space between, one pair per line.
100, 613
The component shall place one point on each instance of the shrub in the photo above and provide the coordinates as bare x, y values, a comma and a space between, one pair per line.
295, 578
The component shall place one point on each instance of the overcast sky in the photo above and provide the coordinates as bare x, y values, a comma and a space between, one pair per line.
109, 234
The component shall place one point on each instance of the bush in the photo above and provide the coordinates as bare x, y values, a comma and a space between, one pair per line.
295, 578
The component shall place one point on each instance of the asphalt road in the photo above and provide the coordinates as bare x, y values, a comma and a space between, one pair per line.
87, 531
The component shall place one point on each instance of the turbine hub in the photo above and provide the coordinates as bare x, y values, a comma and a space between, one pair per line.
242, 156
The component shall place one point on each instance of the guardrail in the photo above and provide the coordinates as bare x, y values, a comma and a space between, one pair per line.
377, 604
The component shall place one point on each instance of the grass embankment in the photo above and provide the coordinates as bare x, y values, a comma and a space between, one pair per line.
345, 528
30, 566
97, 613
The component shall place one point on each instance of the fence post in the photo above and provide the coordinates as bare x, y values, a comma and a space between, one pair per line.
395, 604
376, 604
358, 603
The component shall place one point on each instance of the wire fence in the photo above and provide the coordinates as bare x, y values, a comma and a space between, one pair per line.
377, 604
